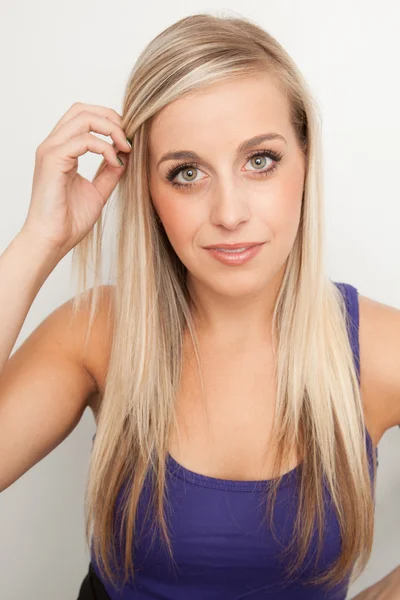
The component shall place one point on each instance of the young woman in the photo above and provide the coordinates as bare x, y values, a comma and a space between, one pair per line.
239, 394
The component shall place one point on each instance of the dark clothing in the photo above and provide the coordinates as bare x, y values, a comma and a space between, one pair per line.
92, 588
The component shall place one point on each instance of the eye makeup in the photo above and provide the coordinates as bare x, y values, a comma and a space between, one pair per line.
175, 169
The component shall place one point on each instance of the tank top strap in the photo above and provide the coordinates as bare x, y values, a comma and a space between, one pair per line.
350, 294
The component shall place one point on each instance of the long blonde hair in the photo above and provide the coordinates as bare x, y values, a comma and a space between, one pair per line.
318, 404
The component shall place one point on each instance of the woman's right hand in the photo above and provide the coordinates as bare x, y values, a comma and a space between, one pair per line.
64, 205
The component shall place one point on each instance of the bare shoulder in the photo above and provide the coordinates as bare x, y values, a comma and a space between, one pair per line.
96, 354
47, 383
379, 335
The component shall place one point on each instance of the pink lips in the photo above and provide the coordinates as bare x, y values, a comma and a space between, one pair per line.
236, 258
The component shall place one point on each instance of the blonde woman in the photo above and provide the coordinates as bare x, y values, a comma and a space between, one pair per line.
239, 394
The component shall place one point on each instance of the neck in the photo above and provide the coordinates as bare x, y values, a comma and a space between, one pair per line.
234, 318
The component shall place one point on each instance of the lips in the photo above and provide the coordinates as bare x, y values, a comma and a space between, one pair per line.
233, 246
234, 257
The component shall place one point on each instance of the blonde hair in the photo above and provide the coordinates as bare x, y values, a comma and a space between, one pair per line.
318, 405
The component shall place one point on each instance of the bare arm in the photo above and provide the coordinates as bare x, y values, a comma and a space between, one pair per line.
45, 385
24, 267
387, 588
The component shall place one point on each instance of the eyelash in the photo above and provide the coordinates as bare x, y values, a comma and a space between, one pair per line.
177, 168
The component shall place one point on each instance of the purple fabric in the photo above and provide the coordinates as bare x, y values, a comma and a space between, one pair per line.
222, 547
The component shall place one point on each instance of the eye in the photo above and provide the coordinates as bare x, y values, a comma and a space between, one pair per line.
261, 161
192, 168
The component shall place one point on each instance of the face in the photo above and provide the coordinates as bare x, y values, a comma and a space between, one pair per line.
224, 194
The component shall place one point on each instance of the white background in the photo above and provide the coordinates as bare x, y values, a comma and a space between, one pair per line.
55, 53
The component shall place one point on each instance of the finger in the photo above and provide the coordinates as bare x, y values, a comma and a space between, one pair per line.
78, 146
86, 122
106, 180
78, 107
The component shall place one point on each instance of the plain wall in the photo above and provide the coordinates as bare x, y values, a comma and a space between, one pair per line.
54, 54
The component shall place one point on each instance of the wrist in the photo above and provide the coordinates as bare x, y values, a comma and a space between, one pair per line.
41, 248
39, 255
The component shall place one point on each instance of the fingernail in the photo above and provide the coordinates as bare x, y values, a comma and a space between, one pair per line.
120, 161
129, 142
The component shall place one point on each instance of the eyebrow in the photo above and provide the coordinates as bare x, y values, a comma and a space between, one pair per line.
250, 143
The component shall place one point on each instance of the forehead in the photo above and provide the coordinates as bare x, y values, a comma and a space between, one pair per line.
224, 112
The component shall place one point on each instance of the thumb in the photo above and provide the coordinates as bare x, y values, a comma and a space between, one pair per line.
106, 180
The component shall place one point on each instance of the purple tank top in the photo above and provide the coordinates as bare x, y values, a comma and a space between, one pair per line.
223, 549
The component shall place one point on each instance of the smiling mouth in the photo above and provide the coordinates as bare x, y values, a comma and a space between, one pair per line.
239, 245
232, 250
237, 256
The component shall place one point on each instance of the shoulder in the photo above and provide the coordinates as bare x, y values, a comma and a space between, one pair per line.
96, 352
379, 341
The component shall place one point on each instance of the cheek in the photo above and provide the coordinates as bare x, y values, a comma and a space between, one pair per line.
287, 205
180, 221
172, 212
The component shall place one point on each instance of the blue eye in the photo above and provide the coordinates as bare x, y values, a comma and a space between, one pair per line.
176, 169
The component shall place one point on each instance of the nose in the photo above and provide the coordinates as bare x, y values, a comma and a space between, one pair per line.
230, 206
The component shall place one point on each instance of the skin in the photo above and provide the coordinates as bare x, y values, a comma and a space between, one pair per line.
387, 588
231, 202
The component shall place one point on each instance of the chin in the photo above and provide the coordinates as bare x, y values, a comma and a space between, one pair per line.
237, 285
